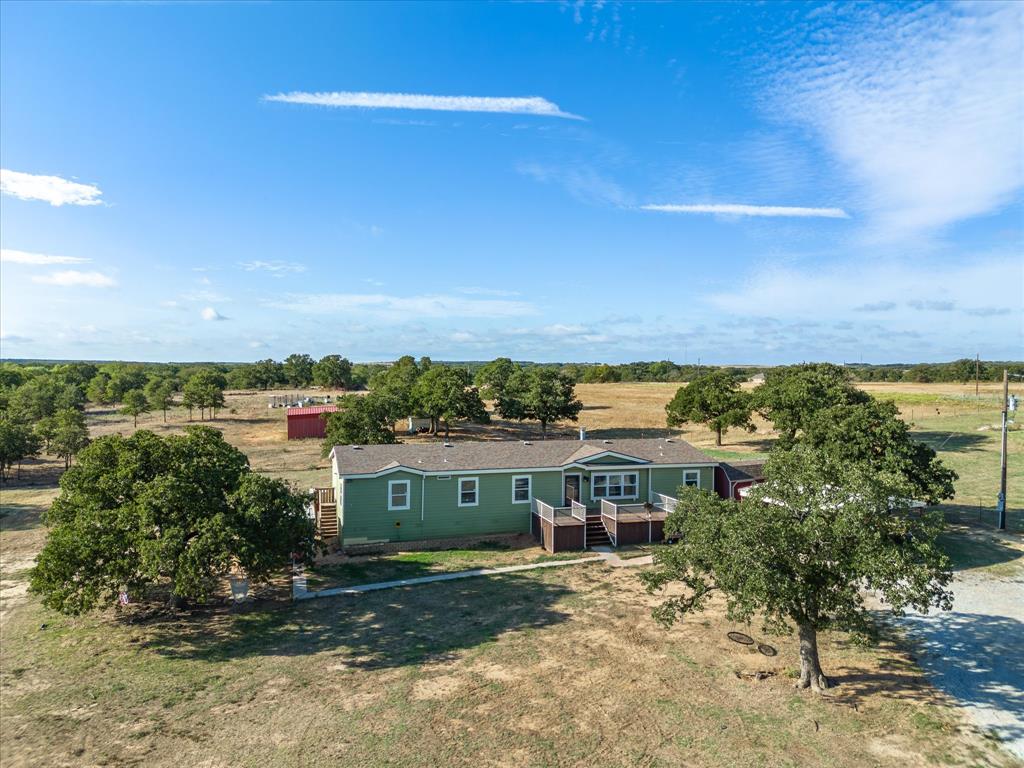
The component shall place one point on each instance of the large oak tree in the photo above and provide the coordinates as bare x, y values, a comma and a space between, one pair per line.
543, 394
175, 513
802, 551
715, 399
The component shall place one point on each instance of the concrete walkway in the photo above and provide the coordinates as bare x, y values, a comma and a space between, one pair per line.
604, 554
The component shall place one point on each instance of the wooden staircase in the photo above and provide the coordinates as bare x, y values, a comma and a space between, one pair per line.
326, 509
597, 536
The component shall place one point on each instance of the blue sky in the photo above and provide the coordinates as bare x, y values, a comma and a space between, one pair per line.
575, 181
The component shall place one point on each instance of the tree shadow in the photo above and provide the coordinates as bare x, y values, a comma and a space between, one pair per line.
976, 550
982, 518
976, 659
20, 517
35, 473
374, 630
951, 442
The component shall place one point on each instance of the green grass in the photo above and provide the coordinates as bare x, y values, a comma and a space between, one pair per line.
969, 444
976, 551
409, 565
723, 453
939, 399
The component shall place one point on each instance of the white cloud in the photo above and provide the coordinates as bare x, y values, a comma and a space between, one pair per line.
909, 295
581, 181
209, 313
50, 189
72, 277
736, 209
397, 308
921, 105
520, 105
11, 256
275, 267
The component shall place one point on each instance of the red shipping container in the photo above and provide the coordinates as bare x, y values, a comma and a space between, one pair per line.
308, 422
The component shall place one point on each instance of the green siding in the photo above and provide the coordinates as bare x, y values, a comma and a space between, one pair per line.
434, 512
668, 479
366, 516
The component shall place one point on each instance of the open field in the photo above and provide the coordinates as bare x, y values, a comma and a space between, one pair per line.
552, 668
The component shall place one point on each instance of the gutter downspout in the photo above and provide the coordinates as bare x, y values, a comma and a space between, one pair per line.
423, 494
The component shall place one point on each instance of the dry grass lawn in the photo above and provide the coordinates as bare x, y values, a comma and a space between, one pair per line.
561, 667
549, 668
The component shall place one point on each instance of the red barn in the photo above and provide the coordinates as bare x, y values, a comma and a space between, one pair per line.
308, 422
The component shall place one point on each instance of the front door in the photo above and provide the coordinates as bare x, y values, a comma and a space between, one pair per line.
572, 489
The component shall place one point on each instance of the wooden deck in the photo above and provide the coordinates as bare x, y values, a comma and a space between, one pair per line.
624, 524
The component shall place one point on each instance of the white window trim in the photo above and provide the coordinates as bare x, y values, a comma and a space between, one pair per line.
690, 472
408, 495
635, 484
529, 489
476, 492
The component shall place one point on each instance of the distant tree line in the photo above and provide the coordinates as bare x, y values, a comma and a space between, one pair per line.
445, 394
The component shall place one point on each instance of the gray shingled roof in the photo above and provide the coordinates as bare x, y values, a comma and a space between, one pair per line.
750, 469
507, 454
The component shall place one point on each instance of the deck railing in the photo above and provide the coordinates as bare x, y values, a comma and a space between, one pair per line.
660, 500
579, 511
549, 512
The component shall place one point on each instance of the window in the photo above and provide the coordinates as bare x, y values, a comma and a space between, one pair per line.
469, 491
616, 486
691, 477
398, 495
521, 489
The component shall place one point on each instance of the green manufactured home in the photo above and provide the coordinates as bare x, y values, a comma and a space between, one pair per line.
591, 488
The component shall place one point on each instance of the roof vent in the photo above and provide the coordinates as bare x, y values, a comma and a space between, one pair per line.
527, 442
357, 447
668, 439
607, 442
447, 445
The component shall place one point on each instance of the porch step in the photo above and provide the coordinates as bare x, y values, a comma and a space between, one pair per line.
328, 521
596, 534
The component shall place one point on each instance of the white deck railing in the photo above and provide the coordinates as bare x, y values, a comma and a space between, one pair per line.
579, 511
660, 500
549, 512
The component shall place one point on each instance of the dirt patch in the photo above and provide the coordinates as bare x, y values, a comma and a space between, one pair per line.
437, 688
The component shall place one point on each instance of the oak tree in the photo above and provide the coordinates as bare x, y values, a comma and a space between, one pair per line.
802, 551
715, 399
164, 515
543, 394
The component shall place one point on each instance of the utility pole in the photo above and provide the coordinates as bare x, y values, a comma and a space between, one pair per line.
977, 366
1001, 501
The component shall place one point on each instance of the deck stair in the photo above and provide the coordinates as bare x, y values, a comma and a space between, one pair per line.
326, 514
597, 536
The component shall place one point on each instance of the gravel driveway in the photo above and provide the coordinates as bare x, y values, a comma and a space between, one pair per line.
975, 652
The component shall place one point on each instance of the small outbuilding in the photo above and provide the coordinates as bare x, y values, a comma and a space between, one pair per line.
308, 422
